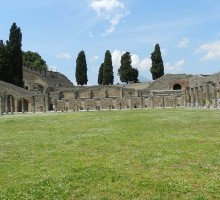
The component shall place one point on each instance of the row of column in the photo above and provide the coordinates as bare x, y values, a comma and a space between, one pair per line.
201, 96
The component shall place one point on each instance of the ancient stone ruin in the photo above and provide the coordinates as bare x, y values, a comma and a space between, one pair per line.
52, 91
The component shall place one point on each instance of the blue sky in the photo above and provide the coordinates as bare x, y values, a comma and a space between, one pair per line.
188, 33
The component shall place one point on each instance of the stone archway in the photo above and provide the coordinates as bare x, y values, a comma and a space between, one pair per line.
177, 87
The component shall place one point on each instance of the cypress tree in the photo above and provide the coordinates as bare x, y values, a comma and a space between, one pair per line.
4, 70
81, 69
157, 69
125, 70
100, 76
15, 60
134, 75
108, 75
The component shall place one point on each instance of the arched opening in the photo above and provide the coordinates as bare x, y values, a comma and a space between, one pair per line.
177, 87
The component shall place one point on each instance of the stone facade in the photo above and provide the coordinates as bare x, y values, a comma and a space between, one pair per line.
52, 91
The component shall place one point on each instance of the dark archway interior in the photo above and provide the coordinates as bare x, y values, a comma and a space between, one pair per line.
177, 87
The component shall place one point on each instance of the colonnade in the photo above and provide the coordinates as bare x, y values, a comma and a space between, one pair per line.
202, 96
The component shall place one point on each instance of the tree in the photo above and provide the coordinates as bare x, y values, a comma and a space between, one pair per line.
100, 76
15, 60
81, 69
4, 69
125, 69
108, 74
157, 69
134, 75
33, 59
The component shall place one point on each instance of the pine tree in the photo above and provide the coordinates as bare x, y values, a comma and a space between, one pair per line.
108, 74
100, 76
157, 69
4, 70
81, 69
125, 70
15, 60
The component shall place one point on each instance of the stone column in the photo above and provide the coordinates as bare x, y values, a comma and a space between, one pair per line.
201, 96
152, 101
121, 93
174, 101
197, 97
33, 104
0, 105
215, 99
142, 103
130, 95
192, 97
16, 106
11, 105
6, 104
44, 104
187, 97
207, 96
55, 105
162, 102
64, 104
22, 105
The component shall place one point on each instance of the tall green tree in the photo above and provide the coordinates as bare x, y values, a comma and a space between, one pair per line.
4, 69
157, 69
15, 60
125, 70
81, 69
33, 59
108, 74
100, 75
134, 75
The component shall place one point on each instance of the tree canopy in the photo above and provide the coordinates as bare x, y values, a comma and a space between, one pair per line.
4, 69
15, 60
81, 69
126, 72
100, 75
108, 74
33, 59
157, 69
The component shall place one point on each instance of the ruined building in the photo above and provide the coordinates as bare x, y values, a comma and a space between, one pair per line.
52, 91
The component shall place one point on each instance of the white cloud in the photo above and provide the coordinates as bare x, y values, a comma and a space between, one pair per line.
163, 52
111, 10
95, 58
176, 67
140, 64
184, 42
64, 55
52, 68
211, 50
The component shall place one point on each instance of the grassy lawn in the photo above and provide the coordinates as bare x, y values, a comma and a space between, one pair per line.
139, 154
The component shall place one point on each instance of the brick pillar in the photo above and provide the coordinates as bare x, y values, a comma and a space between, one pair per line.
44, 104
197, 97
22, 105
33, 104
152, 101
215, 99
201, 96
130, 95
11, 105
162, 102
174, 101
6, 104
207, 96
192, 97
16, 106
142, 103
55, 104
0, 105
187, 97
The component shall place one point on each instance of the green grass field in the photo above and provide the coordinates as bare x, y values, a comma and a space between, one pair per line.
139, 154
